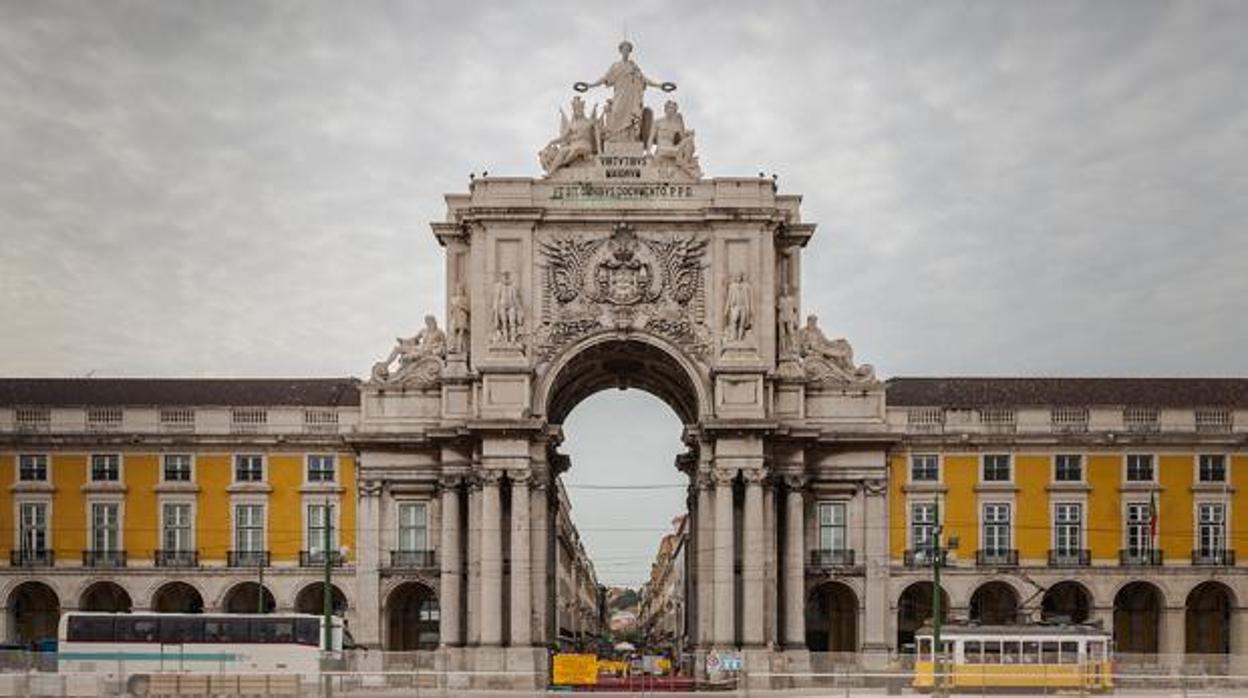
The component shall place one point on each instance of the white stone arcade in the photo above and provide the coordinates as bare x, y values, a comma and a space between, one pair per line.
623, 267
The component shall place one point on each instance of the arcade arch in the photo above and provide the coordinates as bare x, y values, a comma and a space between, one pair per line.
994, 603
311, 599
412, 618
1067, 600
1210, 608
107, 597
832, 619
177, 597
914, 608
244, 598
1137, 618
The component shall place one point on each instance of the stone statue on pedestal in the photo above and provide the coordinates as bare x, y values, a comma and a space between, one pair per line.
508, 311
459, 321
787, 323
673, 144
830, 360
577, 139
738, 309
419, 357
628, 119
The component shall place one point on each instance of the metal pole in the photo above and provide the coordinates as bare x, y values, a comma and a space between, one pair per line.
260, 590
327, 599
937, 552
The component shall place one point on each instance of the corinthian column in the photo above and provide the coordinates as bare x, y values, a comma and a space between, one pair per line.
703, 570
449, 601
490, 608
794, 567
752, 560
521, 581
725, 596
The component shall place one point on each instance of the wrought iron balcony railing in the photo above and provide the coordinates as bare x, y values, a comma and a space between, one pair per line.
1140, 558
176, 558
825, 559
1213, 558
316, 558
418, 559
103, 558
247, 558
996, 557
1070, 558
32, 558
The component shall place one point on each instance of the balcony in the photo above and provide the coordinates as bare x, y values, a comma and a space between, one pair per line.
831, 559
316, 558
1140, 558
1213, 558
996, 557
31, 558
922, 557
247, 558
103, 558
176, 558
413, 559
1070, 558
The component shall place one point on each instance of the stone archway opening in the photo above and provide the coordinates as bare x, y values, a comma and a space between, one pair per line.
1137, 618
1210, 607
832, 619
311, 599
34, 611
105, 597
994, 603
412, 618
244, 598
1069, 602
914, 608
177, 597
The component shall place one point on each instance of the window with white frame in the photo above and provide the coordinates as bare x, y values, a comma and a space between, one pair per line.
33, 520
177, 467
1068, 467
996, 467
32, 467
1140, 468
413, 527
1211, 534
832, 527
321, 467
924, 467
320, 517
996, 528
1212, 467
249, 528
1139, 528
248, 467
177, 527
105, 527
1067, 528
923, 525
105, 467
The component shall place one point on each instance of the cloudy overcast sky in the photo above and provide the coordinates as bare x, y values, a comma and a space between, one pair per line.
244, 188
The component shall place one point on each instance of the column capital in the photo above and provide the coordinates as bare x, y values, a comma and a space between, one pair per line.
795, 481
723, 476
520, 476
487, 476
369, 488
449, 481
754, 476
875, 487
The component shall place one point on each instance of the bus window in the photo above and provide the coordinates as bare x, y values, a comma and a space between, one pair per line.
137, 629
231, 630
90, 629
992, 652
1031, 652
281, 630
308, 632
1010, 652
972, 650
181, 630
1070, 653
1048, 652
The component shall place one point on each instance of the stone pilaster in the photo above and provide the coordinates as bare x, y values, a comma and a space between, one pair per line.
1171, 641
491, 560
473, 597
450, 599
540, 552
725, 591
794, 565
752, 561
367, 628
875, 560
521, 565
771, 591
704, 562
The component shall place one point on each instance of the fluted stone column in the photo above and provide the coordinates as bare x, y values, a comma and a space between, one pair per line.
771, 591
725, 592
752, 561
794, 565
491, 606
521, 583
449, 602
473, 605
704, 540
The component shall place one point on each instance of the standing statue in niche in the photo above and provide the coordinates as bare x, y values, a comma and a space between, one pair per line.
738, 309
578, 139
673, 144
419, 357
831, 359
787, 322
629, 118
508, 311
460, 316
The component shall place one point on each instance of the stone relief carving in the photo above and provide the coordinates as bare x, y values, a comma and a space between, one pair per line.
738, 309
626, 118
419, 359
459, 321
622, 281
830, 361
673, 144
577, 140
508, 311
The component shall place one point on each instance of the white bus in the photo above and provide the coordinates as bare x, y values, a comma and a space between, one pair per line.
132, 647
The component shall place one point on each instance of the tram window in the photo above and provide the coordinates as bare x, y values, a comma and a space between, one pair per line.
992, 652
232, 630
179, 630
1031, 652
90, 629
948, 648
1096, 651
972, 650
308, 632
1070, 653
1048, 651
1010, 652
138, 629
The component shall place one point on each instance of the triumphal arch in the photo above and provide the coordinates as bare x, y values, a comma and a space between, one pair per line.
623, 266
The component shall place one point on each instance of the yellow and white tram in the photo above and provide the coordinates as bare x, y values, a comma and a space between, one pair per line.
1015, 657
